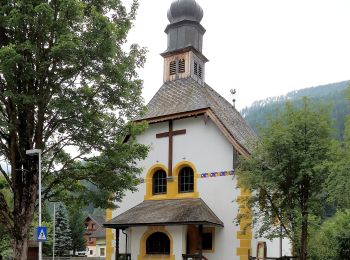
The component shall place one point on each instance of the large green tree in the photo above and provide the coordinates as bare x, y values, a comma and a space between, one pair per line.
286, 172
68, 86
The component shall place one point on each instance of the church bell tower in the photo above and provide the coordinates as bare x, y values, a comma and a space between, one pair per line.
183, 57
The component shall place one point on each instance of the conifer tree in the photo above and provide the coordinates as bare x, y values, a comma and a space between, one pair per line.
77, 227
63, 240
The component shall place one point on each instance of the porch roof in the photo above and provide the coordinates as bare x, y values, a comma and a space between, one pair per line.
166, 212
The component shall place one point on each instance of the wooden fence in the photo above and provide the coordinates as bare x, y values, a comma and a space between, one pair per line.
276, 258
74, 258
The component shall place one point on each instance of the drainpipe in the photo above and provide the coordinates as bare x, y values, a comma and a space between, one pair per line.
117, 244
126, 241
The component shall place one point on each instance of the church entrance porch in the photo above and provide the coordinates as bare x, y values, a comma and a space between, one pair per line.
184, 242
166, 229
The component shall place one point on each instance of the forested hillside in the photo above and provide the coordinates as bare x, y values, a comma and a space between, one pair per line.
331, 94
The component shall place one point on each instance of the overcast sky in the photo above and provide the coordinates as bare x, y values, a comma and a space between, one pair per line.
262, 48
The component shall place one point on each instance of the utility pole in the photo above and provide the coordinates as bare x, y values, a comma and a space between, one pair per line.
281, 239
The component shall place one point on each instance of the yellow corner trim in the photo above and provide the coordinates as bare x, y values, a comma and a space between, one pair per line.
109, 236
245, 243
244, 257
242, 251
245, 234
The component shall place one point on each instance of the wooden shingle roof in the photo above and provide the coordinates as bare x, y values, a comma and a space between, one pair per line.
166, 212
186, 95
99, 233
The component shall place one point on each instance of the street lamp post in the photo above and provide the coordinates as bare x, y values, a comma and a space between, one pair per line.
54, 231
32, 153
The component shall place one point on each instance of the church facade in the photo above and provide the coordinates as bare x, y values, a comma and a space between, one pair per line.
188, 198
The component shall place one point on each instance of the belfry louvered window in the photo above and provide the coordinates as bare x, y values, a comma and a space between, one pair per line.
200, 71
195, 68
172, 68
181, 65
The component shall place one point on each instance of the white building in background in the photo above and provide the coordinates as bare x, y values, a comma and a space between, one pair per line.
186, 205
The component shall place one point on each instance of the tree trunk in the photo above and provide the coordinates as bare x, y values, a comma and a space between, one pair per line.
25, 198
304, 237
20, 248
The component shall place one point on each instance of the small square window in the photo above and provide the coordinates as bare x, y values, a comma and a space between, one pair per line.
207, 242
91, 252
102, 252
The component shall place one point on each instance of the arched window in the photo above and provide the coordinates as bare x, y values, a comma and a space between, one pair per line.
186, 180
159, 182
158, 244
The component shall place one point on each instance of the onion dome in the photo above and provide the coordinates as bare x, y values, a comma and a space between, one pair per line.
188, 10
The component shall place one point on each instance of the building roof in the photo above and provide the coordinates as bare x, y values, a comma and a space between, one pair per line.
185, 10
185, 95
99, 233
99, 220
166, 212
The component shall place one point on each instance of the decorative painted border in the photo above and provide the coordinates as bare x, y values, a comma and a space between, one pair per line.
217, 174
206, 175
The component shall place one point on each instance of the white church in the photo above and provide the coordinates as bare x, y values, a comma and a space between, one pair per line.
186, 203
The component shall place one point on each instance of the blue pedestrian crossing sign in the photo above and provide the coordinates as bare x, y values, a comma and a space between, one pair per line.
41, 234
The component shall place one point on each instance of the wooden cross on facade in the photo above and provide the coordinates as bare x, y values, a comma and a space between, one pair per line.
170, 134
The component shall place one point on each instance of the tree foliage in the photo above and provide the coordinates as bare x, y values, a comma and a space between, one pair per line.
338, 182
77, 227
68, 87
287, 170
331, 241
5, 243
333, 94
63, 239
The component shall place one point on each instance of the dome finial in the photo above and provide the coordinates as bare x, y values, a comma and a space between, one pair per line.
185, 10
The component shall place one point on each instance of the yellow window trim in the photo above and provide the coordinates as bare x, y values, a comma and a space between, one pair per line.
212, 231
143, 256
172, 186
